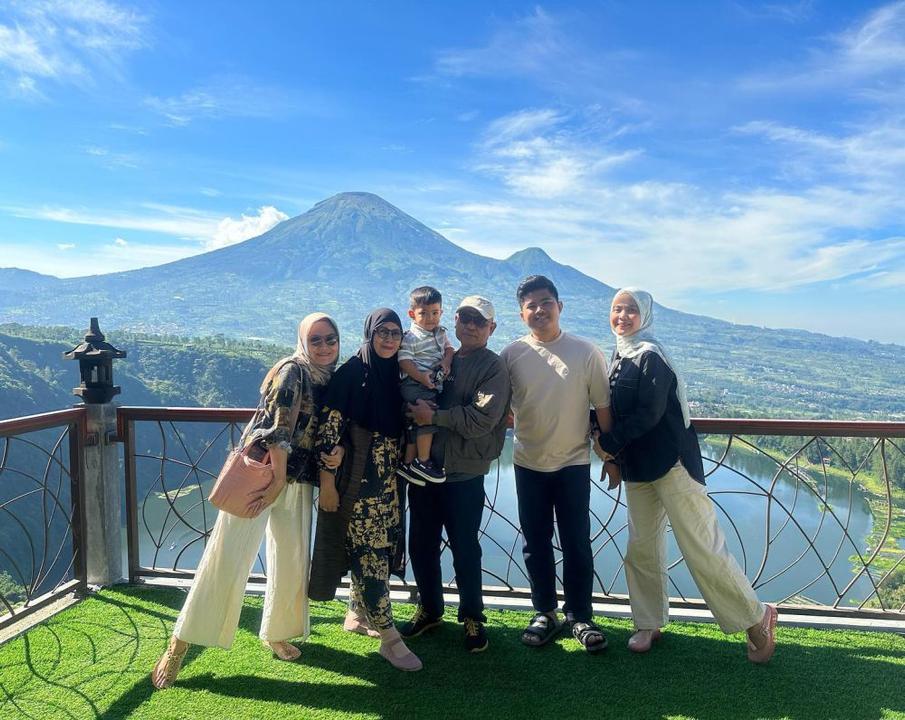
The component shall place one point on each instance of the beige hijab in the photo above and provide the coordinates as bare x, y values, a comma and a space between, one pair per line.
643, 340
320, 375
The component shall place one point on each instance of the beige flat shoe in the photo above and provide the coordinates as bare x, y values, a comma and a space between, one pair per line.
167, 668
642, 640
283, 650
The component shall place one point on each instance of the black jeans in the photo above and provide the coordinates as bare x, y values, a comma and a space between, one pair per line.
567, 493
457, 506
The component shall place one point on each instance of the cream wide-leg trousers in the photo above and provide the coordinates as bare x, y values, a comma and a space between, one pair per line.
725, 588
210, 615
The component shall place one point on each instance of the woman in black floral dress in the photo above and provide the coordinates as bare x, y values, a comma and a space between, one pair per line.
359, 523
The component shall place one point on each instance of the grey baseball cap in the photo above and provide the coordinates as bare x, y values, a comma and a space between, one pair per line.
481, 304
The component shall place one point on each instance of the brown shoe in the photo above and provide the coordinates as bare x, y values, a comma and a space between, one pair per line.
167, 668
642, 640
762, 651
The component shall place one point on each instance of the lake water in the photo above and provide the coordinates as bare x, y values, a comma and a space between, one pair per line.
814, 530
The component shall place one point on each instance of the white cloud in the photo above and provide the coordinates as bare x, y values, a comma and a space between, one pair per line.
210, 192
228, 96
204, 230
65, 246
522, 123
230, 232
885, 279
540, 153
90, 260
65, 41
524, 46
560, 52
878, 44
112, 160
872, 151
557, 190
867, 59
790, 12
132, 129
186, 224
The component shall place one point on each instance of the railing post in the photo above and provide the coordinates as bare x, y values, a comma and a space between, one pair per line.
102, 531
103, 517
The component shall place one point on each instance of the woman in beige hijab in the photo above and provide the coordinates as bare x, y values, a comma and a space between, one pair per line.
282, 514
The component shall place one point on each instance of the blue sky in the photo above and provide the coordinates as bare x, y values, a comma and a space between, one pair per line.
744, 160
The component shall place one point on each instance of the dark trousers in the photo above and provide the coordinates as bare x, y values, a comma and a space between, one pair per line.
567, 494
458, 507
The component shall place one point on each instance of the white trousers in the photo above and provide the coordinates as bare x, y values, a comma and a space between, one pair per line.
723, 585
210, 615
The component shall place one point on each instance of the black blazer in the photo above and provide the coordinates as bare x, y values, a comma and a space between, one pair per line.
648, 433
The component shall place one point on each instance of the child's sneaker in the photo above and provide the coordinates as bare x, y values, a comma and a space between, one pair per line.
427, 471
406, 473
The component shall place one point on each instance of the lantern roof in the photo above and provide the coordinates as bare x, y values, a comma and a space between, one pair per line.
95, 345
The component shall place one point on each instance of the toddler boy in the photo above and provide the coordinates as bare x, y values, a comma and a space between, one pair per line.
424, 361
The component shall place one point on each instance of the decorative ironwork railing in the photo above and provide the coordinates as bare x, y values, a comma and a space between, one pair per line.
813, 511
42, 511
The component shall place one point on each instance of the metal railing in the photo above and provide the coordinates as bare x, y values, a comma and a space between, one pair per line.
808, 507
42, 511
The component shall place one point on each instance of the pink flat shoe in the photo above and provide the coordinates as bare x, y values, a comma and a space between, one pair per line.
408, 662
767, 630
642, 640
357, 624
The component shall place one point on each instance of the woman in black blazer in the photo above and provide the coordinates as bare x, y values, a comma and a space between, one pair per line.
654, 444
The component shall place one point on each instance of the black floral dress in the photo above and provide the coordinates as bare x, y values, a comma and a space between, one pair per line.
373, 527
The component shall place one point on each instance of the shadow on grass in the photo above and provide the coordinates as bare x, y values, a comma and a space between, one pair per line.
687, 676
693, 672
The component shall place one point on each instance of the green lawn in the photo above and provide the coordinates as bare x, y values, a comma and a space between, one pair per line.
93, 660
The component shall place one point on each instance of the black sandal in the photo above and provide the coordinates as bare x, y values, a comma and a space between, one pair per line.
542, 630
590, 636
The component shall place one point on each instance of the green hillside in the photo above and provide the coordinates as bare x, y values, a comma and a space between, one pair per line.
728, 377
159, 370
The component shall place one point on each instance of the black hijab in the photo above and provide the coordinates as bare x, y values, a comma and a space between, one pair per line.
366, 387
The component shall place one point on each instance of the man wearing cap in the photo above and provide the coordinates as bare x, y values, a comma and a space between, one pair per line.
472, 414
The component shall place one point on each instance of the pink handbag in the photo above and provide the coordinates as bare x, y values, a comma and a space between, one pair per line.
240, 482
242, 478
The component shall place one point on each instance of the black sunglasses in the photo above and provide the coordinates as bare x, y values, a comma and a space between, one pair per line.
318, 340
476, 319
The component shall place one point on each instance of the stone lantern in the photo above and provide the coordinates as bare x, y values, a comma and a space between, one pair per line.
95, 357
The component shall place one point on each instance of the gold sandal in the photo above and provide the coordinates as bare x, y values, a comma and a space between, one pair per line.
284, 653
170, 664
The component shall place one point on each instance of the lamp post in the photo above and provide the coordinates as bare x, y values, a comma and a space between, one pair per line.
95, 356
100, 473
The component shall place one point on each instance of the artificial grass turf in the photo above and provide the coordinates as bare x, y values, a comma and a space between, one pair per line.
93, 661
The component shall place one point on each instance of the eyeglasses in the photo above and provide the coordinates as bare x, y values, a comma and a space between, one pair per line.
476, 319
318, 340
387, 334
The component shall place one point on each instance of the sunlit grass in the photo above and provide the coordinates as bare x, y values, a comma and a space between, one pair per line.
93, 661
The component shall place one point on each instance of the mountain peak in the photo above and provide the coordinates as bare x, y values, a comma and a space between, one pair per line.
363, 201
529, 255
